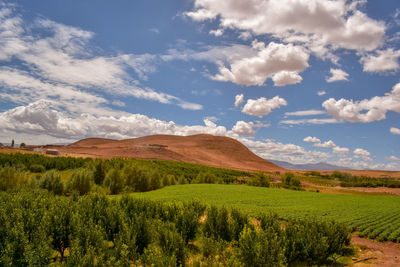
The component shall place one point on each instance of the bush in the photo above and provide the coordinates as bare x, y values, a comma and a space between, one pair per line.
37, 168
52, 182
8, 178
114, 181
80, 181
289, 180
260, 179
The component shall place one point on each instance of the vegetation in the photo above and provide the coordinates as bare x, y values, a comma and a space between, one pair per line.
38, 228
373, 216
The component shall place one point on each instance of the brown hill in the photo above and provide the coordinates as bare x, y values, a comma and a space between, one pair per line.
203, 149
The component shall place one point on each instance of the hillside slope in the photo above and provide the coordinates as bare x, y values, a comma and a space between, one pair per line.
203, 149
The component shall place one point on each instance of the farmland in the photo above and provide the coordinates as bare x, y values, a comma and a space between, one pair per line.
376, 216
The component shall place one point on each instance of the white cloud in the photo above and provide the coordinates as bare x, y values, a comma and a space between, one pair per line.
284, 61
337, 75
321, 93
309, 112
60, 57
329, 143
394, 130
353, 111
320, 24
243, 128
308, 121
286, 77
381, 61
43, 117
263, 106
217, 32
340, 150
362, 153
239, 99
286, 152
394, 158
310, 139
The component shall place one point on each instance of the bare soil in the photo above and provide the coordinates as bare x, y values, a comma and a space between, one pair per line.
203, 149
387, 254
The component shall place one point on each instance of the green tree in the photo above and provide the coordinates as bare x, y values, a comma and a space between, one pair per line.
114, 181
22, 145
99, 173
12, 143
80, 181
52, 182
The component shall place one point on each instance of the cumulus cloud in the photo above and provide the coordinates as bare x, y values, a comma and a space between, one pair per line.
394, 130
60, 57
366, 110
394, 158
381, 61
280, 62
362, 153
243, 128
309, 112
337, 75
286, 77
329, 143
321, 93
217, 33
340, 150
45, 117
239, 99
263, 106
310, 139
319, 24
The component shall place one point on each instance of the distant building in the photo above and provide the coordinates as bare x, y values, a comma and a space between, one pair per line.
51, 151
37, 150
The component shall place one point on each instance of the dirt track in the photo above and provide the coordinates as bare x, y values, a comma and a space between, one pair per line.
386, 254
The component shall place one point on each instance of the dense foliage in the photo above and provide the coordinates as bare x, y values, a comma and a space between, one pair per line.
38, 228
371, 215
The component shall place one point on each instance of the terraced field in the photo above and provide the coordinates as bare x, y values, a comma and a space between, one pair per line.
373, 216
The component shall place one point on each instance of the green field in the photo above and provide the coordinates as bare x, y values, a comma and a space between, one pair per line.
376, 216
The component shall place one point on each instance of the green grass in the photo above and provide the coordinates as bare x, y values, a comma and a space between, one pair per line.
358, 211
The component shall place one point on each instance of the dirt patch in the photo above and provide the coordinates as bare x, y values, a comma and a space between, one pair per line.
217, 151
387, 254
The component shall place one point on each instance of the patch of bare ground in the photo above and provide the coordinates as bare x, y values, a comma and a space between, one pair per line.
216, 151
384, 254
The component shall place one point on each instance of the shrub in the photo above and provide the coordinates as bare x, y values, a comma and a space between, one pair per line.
259, 179
261, 248
52, 182
37, 168
80, 181
114, 181
289, 180
8, 178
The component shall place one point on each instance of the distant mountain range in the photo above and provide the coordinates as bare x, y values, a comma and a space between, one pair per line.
311, 166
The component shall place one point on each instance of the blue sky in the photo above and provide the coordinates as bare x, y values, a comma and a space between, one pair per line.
294, 80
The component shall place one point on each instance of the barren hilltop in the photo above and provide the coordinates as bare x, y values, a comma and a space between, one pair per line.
217, 151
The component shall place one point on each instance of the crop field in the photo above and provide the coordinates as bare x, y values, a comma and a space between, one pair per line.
373, 216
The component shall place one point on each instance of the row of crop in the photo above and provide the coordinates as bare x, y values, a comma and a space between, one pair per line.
37, 228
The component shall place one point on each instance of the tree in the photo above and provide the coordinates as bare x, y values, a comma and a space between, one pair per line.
12, 143
114, 181
80, 181
52, 182
22, 145
99, 173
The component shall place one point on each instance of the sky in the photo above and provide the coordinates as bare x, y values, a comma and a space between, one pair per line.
302, 81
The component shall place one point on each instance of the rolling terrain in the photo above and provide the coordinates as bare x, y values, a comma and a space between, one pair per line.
203, 149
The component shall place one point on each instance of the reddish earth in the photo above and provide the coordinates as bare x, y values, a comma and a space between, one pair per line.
203, 149
385, 254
